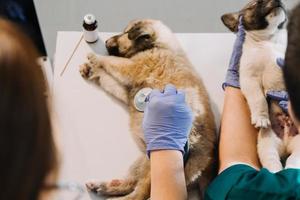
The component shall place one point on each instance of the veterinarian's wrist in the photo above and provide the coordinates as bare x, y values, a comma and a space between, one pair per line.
167, 175
225, 85
184, 150
163, 151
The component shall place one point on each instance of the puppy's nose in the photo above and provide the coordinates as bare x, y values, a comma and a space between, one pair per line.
111, 42
113, 50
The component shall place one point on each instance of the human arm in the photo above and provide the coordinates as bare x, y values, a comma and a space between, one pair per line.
238, 138
167, 123
167, 175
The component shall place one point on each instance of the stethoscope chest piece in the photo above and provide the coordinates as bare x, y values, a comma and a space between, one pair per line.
140, 99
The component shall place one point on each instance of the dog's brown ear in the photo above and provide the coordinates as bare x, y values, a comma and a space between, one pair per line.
231, 21
138, 33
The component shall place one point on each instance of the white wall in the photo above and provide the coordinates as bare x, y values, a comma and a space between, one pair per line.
181, 15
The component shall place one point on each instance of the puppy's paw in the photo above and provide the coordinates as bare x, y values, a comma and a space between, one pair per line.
274, 168
260, 121
89, 72
115, 188
93, 60
92, 186
85, 70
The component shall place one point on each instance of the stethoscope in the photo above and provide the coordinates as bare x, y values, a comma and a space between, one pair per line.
140, 99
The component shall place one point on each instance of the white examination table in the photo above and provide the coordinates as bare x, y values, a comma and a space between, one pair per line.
93, 128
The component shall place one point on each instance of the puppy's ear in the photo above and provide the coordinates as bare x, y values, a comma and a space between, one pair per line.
231, 21
138, 34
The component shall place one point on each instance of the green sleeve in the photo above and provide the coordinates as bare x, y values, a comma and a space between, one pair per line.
220, 187
245, 183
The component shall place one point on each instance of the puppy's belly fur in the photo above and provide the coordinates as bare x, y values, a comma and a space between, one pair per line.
259, 62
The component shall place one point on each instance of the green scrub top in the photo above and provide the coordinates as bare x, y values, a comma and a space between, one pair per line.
246, 183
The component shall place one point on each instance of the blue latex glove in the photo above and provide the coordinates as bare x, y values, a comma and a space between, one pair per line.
281, 96
167, 120
280, 62
232, 77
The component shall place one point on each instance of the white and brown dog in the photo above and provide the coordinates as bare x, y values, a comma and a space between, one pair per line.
147, 54
266, 41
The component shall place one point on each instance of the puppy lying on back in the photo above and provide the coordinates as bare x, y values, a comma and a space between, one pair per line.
147, 54
259, 73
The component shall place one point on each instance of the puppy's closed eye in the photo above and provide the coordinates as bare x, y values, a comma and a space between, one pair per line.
143, 37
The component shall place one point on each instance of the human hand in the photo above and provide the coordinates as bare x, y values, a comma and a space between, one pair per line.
167, 120
281, 96
232, 77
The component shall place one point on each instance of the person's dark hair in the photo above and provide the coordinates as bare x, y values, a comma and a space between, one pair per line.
292, 61
27, 148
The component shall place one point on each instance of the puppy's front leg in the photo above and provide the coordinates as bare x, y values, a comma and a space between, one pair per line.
253, 91
107, 82
119, 68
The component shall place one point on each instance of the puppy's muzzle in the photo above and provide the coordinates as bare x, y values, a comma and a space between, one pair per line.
112, 47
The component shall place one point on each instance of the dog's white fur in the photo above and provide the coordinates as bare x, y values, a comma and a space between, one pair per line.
259, 74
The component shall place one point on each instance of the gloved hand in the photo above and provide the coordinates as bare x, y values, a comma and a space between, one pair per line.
167, 120
281, 96
232, 77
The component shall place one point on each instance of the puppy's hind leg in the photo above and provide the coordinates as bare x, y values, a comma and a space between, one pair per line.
293, 161
142, 189
107, 82
268, 146
118, 187
117, 67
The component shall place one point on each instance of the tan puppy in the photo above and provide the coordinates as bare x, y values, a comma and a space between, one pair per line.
147, 54
259, 73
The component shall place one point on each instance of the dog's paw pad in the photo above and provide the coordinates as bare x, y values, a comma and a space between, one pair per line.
85, 70
261, 121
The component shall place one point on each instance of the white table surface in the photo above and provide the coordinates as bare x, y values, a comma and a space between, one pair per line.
93, 128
